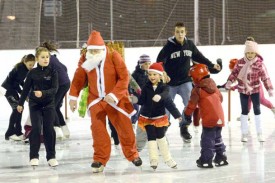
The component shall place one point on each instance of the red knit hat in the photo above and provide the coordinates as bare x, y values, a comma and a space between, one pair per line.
95, 41
156, 67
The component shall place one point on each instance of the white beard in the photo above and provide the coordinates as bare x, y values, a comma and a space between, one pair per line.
92, 61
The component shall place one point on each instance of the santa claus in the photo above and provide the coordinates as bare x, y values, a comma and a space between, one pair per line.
107, 77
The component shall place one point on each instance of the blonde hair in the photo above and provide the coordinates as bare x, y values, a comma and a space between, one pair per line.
38, 50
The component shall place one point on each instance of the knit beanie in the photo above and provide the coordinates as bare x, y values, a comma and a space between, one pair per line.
251, 46
156, 67
144, 58
95, 41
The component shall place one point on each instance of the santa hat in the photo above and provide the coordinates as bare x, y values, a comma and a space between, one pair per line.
251, 46
95, 41
144, 58
156, 67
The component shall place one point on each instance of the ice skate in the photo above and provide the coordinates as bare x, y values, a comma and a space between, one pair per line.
260, 137
58, 132
14, 138
34, 162
137, 162
185, 134
97, 167
65, 131
273, 111
53, 162
154, 164
244, 138
220, 160
153, 154
202, 164
171, 163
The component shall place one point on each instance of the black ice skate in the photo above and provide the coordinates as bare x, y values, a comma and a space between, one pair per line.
184, 133
97, 167
137, 162
202, 164
220, 160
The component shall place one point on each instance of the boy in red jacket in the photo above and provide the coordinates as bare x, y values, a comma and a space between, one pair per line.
208, 98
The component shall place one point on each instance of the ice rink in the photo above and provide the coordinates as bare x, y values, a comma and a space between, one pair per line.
251, 162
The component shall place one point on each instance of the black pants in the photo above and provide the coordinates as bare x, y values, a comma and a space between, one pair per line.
154, 132
255, 98
15, 117
42, 118
61, 92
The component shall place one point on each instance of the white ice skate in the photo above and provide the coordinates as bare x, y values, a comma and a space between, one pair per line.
53, 162
34, 162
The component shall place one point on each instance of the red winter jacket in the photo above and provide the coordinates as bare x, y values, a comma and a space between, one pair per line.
208, 98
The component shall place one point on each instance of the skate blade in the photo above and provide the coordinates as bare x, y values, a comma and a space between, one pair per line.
222, 163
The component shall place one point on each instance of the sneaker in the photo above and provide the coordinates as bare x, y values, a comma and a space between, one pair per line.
154, 163
58, 132
244, 138
97, 167
14, 137
137, 162
117, 147
220, 160
53, 162
260, 137
202, 164
171, 163
66, 131
34, 162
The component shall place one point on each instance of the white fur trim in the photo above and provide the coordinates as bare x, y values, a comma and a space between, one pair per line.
95, 47
72, 97
157, 71
113, 97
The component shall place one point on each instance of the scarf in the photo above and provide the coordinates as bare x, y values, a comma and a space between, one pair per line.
245, 70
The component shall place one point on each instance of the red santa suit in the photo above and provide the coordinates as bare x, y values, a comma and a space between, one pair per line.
111, 78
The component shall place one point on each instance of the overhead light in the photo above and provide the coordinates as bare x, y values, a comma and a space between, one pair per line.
11, 17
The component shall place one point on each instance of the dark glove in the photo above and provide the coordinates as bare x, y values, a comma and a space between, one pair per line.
185, 121
214, 71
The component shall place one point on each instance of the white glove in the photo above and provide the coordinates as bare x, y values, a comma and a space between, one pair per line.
228, 85
270, 93
156, 98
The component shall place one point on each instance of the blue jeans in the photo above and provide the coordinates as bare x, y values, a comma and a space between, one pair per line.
184, 91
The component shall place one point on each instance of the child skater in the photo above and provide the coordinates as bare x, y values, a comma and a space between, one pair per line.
12, 84
208, 98
264, 101
41, 86
153, 100
140, 74
249, 72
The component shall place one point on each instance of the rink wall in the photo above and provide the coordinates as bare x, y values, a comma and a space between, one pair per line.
70, 58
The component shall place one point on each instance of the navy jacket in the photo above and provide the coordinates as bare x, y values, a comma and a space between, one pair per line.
15, 79
149, 108
44, 79
177, 60
61, 69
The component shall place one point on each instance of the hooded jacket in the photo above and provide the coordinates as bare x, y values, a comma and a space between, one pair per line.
209, 99
177, 60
